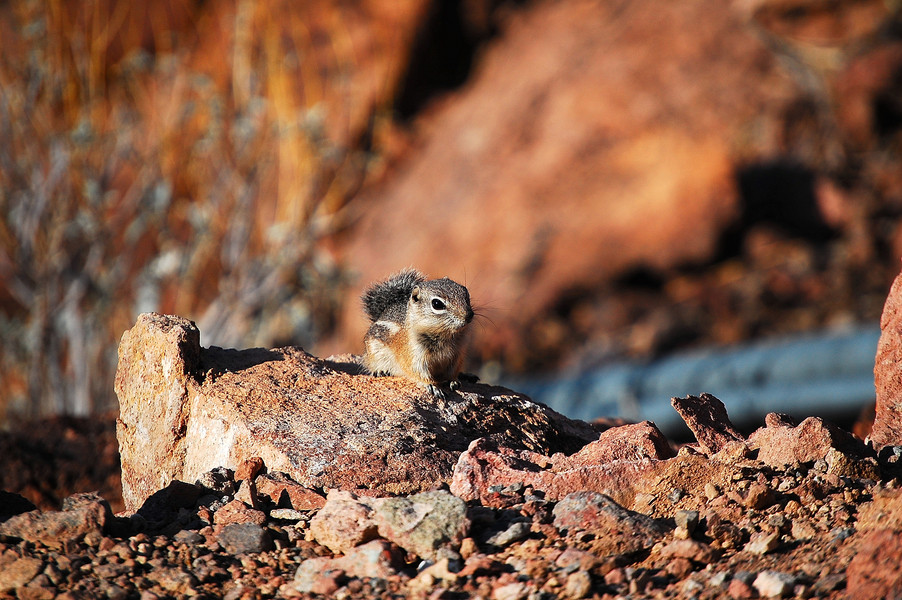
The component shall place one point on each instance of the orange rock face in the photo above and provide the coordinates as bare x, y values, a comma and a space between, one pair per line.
571, 158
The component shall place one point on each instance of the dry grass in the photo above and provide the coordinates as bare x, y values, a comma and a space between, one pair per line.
173, 156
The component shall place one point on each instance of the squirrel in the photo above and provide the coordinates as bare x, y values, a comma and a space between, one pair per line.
418, 329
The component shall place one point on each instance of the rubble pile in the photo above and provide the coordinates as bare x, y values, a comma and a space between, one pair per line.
532, 506
693, 524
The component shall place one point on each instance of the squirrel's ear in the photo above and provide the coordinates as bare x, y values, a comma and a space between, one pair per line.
415, 293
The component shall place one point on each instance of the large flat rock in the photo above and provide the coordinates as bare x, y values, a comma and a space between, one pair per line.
185, 410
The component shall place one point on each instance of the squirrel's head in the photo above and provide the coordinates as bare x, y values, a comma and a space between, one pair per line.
441, 306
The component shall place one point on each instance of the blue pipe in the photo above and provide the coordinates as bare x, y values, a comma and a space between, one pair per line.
814, 374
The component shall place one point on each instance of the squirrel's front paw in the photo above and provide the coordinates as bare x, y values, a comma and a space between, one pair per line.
436, 391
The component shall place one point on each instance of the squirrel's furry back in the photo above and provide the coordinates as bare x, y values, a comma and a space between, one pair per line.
394, 291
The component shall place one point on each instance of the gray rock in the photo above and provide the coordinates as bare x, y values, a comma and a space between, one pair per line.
244, 538
187, 536
514, 533
220, 480
687, 519
426, 524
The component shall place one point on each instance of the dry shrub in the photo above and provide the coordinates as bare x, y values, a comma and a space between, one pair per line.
178, 157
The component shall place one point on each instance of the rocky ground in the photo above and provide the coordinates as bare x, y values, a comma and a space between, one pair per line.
804, 511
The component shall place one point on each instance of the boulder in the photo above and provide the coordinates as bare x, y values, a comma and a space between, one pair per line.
887, 429
185, 410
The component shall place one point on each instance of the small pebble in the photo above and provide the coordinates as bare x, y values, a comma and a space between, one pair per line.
763, 542
773, 584
578, 585
516, 532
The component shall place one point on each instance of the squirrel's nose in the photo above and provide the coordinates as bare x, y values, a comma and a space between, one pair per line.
469, 315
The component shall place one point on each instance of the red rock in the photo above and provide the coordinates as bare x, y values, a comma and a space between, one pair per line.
763, 542
249, 468
237, 511
740, 590
511, 591
175, 580
876, 568
83, 515
758, 497
285, 493
809, 441
480, 564
615, 577
840, 464
628, 442
679, 567
157, 361
887, 429
185, 410
722, 529
343, 523
586, 561
247, 493
884, 511
424, 524
779, 420
327, 583
485, 464
689, 549
707, 418
620, 530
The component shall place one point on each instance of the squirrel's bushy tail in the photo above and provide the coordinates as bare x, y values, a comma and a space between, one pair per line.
391, 292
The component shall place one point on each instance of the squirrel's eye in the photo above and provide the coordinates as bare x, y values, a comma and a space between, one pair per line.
438, 304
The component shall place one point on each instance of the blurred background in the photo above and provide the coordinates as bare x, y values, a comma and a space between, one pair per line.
615, 181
